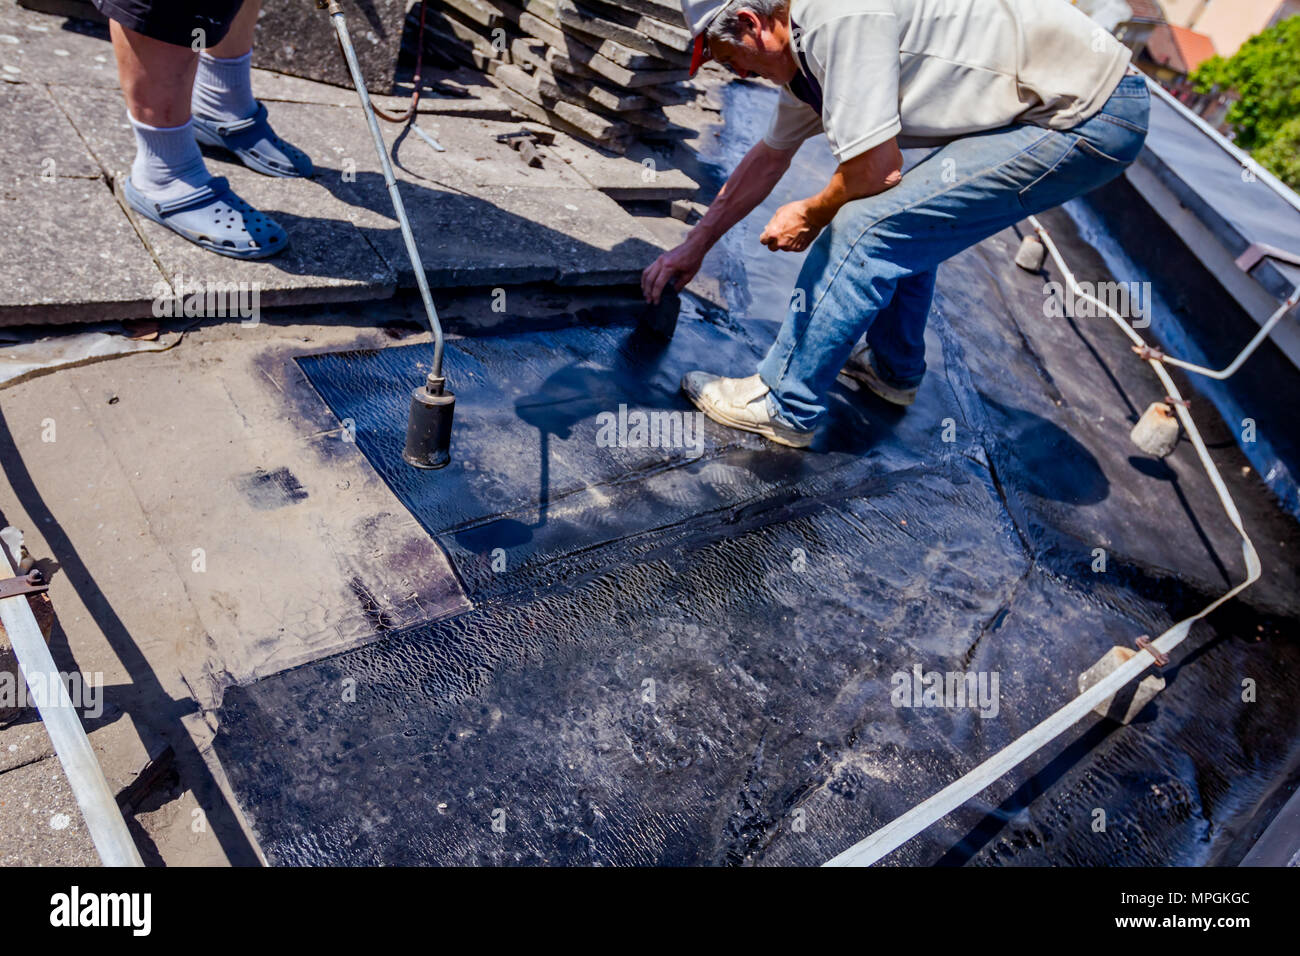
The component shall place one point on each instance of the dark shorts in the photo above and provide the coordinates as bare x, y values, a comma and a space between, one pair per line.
172, 21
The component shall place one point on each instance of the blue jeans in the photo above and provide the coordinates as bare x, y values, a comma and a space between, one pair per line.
872, 270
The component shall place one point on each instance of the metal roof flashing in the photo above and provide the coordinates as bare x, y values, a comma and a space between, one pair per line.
1223, 204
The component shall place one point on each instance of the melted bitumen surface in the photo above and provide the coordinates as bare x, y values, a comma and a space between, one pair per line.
689, 660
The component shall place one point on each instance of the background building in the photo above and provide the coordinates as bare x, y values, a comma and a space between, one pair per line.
1172, 53
1229, 23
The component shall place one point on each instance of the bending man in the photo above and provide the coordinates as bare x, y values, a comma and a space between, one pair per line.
1029, 102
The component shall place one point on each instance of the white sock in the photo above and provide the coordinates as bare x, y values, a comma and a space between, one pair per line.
168, 163
223, 89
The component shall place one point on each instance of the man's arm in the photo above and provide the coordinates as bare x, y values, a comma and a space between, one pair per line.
753, 180
795, 225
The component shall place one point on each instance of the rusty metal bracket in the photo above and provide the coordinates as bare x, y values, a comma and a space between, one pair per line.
1260, 251
1144, 643
1170, 400
525, 143
33, 582
1149, 354
539, 136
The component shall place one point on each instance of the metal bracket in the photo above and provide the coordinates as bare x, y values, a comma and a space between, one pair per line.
1144, 643
541, 137
438, 147
1262, 250
525, 143
33, 582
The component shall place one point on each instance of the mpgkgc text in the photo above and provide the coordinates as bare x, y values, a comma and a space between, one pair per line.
1155, 899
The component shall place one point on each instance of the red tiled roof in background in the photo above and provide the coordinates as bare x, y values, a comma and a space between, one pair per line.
1147, 10
1179, 48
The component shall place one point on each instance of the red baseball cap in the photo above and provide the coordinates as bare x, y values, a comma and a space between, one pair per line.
700, 54
699, 14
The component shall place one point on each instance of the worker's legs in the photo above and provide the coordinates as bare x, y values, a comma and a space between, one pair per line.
965, 192
223, 87
159, 46
228, 116
890, 359
897, 336
156, 45
239, 37
156, 77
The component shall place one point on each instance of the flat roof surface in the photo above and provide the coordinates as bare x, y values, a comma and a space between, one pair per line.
675, 658
691, 660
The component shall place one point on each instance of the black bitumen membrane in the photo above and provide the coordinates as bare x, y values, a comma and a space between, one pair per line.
689, 660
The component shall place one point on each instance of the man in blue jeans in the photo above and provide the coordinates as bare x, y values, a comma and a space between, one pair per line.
1028, 103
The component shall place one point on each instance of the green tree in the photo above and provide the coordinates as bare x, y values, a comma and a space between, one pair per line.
1282, 154
1265, 72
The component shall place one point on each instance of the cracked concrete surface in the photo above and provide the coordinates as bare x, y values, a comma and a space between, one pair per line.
76, 255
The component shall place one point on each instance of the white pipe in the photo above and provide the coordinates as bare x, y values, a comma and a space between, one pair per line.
1282, 189
894, 834
888, 838
98, 807
1247, 352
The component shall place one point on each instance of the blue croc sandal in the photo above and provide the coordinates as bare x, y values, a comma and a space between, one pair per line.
215, 218
255, 143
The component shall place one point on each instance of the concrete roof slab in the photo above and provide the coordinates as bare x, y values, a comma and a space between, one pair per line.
38, 48
71, 255
327, 259
36, 139
40, 819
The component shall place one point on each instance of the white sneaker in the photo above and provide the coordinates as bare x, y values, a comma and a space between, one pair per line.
740, 403
860, 369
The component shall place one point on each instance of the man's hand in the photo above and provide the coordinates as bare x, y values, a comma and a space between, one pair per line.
791, 229
745, 188
677, 266
795, 225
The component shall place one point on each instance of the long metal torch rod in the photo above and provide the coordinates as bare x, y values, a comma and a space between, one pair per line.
349, 54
